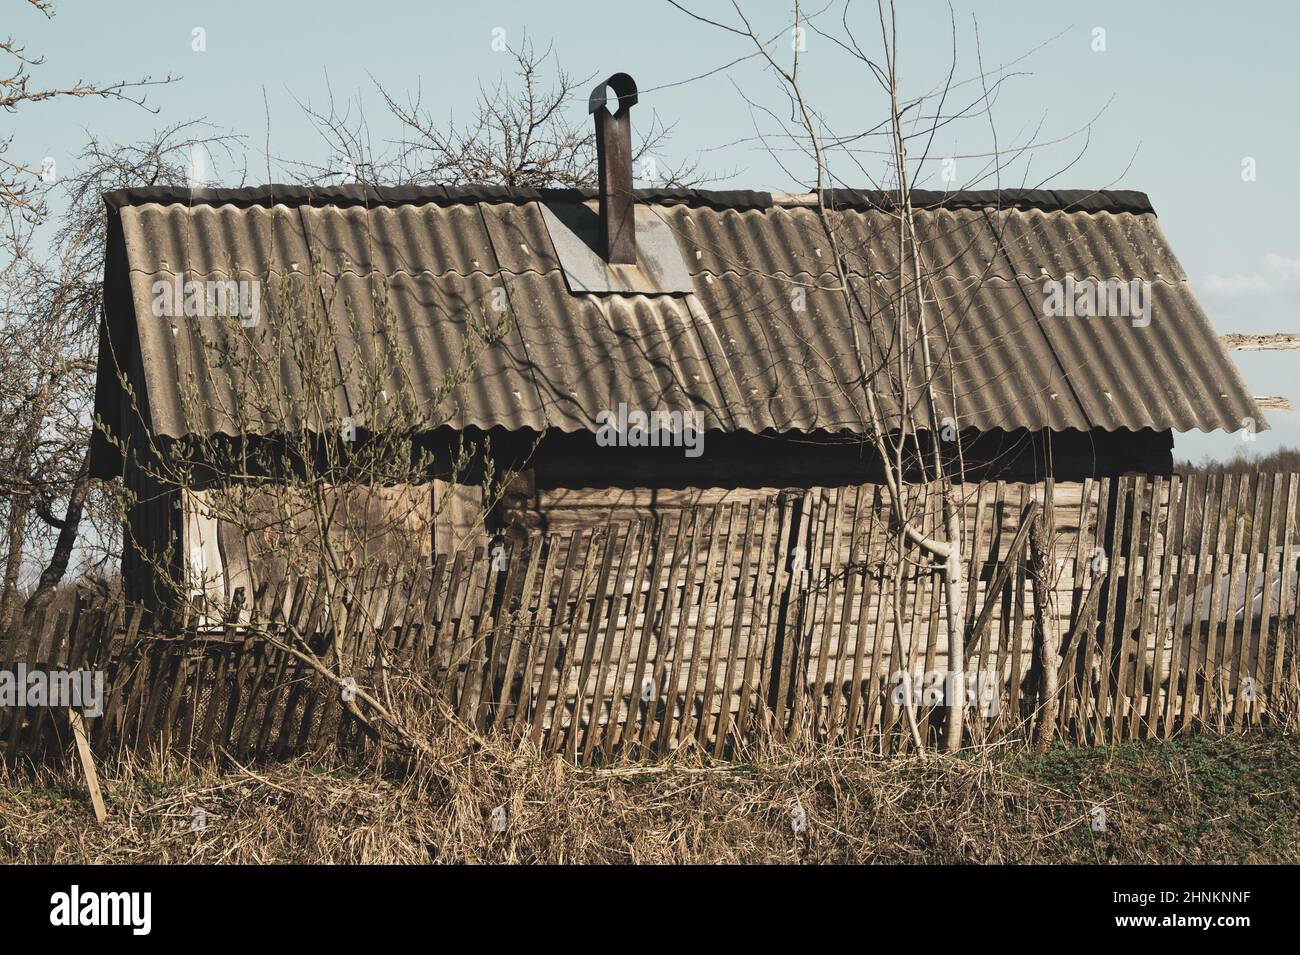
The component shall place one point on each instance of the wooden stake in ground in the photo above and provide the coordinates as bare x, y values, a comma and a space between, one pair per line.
88, 764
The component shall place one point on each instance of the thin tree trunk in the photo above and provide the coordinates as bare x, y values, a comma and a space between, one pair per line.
16, 535
20, 505
58, 565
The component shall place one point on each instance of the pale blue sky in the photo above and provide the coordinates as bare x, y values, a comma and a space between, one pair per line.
1185, 91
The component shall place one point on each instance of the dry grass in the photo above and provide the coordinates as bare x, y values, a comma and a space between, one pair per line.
1204, 800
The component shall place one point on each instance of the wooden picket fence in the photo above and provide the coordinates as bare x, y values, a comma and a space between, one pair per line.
786, 615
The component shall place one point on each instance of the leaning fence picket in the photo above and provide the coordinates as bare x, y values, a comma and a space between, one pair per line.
753, 679
1170, 520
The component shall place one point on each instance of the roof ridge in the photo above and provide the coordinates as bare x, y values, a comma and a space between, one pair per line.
361, 194
1045, 200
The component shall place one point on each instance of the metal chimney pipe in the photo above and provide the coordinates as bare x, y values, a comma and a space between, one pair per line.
614, 162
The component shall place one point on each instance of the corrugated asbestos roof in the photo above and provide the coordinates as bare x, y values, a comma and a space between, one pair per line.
762, 344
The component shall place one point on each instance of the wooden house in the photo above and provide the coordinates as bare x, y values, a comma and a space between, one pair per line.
721, 308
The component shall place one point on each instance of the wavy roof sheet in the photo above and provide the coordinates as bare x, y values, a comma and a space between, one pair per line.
763, 343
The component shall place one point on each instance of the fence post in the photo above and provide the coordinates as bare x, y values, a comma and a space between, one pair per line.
1047, 641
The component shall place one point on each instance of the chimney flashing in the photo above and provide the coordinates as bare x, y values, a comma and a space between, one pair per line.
614, 168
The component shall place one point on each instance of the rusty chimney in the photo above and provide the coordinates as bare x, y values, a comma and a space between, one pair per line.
614, 159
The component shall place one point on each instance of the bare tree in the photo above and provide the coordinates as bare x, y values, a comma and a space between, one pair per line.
308, 496
52, 300
900, 318
36, 316
20, 183
520, 134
